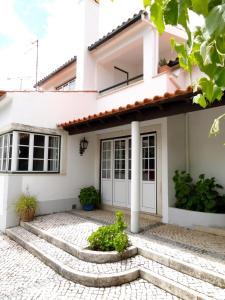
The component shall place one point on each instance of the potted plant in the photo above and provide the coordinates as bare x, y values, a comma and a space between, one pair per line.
89, 198
26, 206
163, 67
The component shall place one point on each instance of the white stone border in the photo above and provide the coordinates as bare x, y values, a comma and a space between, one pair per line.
83, 254
113, 256
108, 280
188, 218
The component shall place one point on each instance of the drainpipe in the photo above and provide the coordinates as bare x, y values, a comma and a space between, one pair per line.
187, 158
135, 177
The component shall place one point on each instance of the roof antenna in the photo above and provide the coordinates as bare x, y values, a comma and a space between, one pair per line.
36, 69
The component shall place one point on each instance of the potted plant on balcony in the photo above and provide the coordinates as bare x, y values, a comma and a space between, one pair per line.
26, 207
163, 67
89, 198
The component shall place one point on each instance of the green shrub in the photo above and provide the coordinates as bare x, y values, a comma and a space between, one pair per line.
183, 188
89, 195
201, 196
110, 237
26, 201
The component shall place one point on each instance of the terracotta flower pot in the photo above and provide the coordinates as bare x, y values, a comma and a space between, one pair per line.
164, 68
27, 215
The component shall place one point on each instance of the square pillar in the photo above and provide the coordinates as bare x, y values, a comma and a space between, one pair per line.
135, 177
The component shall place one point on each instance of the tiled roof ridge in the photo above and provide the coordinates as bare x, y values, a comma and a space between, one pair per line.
128, 107
67, 63
118, 29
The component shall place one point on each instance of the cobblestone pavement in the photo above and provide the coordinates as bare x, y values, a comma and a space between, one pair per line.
24, 277
200, 243
108, 217
120, 266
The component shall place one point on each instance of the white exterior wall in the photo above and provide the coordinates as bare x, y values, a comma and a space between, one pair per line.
45, 109
207, 154
176, 150
113, 13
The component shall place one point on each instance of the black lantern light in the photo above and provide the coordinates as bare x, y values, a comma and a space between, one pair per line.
83, 146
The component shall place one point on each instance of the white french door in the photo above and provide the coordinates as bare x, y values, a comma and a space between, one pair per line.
120, 175
116, 167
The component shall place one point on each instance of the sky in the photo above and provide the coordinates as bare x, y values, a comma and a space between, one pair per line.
22, 22
54, 23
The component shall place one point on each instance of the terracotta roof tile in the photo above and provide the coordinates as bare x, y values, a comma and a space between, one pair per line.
2, 93
128, 107
66, 64
115, 31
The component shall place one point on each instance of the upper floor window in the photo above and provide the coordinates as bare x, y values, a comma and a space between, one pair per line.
67, 86
29, 152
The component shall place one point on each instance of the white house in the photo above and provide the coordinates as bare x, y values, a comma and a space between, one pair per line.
140, 124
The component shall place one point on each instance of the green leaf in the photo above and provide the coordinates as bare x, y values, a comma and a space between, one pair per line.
210, 90
171, 12
220, 44
200, 99
147, 3
183, 18
215, 21
157, 16
200, 7
220, 77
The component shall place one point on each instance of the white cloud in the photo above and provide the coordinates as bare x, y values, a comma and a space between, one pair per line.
58, 44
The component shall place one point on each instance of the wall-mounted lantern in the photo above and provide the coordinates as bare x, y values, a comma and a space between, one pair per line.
83, 146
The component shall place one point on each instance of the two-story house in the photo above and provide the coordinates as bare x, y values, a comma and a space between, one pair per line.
140, 123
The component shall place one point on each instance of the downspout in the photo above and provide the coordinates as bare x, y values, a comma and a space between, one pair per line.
187, 153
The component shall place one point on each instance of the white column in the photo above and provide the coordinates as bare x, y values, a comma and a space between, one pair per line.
150, 53
135, 176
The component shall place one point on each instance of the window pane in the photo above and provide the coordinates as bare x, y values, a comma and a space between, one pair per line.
151, 140
145, 175
38, 152
1, 141
39, 140
145, 142
145, 152
23, 152
53, 141
38, 165
23, 165
151, 152
52, 153
151, 164
24, 138
104, 174
10, 152
152, 175
4, 165
53, 165
9, 164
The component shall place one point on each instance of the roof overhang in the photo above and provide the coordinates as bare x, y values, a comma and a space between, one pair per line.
142, 15
148, 109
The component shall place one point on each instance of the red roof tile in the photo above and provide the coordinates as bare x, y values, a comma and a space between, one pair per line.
127, 108
2, 93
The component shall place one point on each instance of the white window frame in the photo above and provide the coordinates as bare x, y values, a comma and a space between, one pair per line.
6, 140
15, 153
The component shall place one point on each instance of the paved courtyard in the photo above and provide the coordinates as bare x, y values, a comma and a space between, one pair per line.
23, 276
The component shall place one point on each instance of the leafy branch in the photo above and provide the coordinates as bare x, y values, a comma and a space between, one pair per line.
205, 46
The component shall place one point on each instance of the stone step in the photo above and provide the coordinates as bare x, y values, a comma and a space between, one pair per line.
190, 269
117, 273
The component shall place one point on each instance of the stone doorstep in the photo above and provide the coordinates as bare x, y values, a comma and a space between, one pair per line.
87, 255
110, 279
